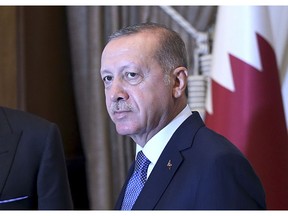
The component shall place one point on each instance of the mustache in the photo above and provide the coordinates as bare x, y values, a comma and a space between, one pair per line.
120, 106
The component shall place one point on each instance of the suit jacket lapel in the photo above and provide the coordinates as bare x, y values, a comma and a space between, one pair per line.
8, 145
171, 157
159, 179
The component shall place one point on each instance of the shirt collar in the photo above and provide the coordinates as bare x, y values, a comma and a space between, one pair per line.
154, 147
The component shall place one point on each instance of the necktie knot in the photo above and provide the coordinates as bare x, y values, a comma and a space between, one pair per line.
141, 163
136, 182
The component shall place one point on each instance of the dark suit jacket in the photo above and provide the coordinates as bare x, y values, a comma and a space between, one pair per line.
33, 173
208, 172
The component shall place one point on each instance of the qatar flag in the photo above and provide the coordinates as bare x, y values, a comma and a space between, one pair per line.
244, 101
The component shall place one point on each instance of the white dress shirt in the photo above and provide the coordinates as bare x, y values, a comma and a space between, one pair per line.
154, 147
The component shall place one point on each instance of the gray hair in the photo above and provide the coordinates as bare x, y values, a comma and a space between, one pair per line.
171, 52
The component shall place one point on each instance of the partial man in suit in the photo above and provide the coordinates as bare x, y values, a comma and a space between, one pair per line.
33, 171
187, 166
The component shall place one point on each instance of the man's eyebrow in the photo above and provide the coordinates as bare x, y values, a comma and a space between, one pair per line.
129, 65
104, 71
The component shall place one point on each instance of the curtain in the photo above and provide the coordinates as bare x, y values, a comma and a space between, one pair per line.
108, 155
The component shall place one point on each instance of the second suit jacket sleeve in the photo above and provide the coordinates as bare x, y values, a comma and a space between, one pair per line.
52, 181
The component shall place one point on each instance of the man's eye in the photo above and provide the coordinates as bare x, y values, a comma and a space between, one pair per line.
131, 75
107, 78
133, 78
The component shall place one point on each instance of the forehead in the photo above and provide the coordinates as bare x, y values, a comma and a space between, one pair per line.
143, 41
137, 48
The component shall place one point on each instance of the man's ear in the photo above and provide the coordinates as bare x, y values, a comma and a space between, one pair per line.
180, 75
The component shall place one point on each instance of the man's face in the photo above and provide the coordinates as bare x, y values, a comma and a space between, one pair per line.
138, 95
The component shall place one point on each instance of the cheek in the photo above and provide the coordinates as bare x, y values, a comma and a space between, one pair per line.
108, 103
150, 103
160, 95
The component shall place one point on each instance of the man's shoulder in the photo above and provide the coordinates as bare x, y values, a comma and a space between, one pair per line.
211, 145
18, 119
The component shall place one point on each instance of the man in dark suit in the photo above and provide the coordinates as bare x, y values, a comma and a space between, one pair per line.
33, 172
180, 164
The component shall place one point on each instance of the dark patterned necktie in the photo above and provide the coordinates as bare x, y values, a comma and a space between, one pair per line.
136, 181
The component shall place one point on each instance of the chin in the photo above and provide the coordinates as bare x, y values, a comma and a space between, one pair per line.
124, 131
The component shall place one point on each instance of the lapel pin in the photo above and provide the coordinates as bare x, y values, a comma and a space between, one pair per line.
169, 165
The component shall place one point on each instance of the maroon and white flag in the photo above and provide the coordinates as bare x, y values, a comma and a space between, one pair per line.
244, 101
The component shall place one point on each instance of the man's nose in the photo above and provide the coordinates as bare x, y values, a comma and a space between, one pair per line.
117, 91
